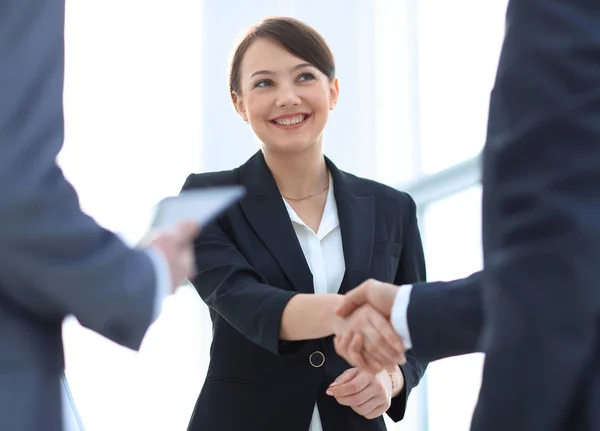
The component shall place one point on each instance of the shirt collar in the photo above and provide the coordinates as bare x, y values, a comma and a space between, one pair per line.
330, 219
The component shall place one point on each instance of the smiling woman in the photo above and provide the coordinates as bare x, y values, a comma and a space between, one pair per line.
280, 81
273, 268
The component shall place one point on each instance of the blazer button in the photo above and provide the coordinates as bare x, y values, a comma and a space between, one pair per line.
316, 359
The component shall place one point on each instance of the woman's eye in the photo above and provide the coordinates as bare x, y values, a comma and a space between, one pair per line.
306, 77
263, 83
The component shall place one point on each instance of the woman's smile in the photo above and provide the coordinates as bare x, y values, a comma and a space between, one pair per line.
290, 121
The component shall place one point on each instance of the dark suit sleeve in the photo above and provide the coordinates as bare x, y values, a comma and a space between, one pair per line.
55, 260
445, 319
235, 290
411, 269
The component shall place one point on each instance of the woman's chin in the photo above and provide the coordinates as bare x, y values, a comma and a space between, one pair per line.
291, 147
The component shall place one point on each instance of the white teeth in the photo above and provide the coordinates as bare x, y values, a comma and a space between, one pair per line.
290, 121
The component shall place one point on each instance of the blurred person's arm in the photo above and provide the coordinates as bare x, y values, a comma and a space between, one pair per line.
444, 319
435, 320
54, 259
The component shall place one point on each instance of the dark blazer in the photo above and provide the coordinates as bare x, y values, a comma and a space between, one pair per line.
250, 265
541, 223
54, 260
446, 318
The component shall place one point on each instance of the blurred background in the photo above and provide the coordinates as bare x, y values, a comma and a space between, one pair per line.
146, 103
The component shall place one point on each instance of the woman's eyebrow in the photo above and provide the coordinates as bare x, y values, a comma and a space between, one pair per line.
269, 72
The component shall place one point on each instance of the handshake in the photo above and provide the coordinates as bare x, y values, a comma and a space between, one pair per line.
364, 335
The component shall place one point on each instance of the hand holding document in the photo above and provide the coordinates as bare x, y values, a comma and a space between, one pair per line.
178, 220
200, 206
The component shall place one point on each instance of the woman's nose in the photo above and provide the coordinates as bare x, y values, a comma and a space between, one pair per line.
287, 96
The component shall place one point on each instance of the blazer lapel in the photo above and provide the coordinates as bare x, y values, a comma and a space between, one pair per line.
268, 216
356, 213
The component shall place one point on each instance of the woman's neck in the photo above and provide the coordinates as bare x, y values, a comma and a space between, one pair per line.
299, 175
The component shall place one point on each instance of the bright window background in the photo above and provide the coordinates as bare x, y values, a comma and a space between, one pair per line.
395, 128
458, 47
146, 104
132, 113
452, 241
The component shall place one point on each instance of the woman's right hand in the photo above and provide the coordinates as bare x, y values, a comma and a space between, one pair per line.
368, 332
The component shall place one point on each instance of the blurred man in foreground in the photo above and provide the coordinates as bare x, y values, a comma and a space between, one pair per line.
54, 260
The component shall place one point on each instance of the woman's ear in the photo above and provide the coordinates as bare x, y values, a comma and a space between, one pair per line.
334, 92
239, 106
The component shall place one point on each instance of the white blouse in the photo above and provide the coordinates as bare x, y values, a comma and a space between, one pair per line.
325, 258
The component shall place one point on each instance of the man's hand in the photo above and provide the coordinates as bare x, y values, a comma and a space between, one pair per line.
370, 395
377, 347
357, 342
379, 295
177, 246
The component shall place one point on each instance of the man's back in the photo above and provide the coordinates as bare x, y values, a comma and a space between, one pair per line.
541, 223
54, 260
31, 363
31, 355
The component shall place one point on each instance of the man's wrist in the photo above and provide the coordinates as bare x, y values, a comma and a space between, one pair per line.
163, 278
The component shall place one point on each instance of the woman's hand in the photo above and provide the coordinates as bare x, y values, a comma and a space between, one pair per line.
368, 340
370, 395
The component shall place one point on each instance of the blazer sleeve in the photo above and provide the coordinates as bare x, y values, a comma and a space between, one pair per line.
55, 260
411, 269
446, 318
229, 285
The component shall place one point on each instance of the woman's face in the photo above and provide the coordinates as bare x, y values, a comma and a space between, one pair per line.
285, 99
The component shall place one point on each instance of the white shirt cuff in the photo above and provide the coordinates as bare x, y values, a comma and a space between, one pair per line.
399, 314
163, 279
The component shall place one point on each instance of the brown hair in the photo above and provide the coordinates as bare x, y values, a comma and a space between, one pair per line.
296, 37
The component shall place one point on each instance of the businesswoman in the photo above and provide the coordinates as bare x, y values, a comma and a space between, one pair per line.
274, 268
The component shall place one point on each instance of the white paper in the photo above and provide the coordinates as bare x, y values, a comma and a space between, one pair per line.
199, 205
